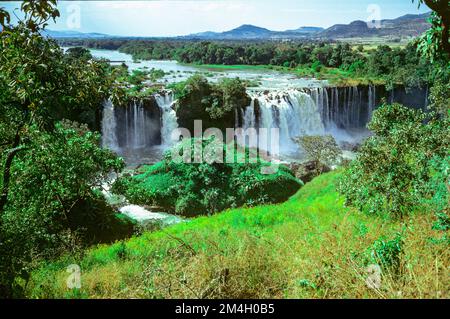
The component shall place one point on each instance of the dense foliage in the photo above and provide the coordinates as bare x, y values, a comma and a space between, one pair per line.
50, 171
394, 167
213, 103
54, 203
194, 189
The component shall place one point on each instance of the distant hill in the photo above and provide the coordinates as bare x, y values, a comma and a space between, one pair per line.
248, 31
309, 30
74, 34
409, 25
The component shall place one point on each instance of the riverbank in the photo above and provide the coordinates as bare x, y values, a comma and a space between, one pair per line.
308, 247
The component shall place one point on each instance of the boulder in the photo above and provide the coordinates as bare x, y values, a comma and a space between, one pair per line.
307, 171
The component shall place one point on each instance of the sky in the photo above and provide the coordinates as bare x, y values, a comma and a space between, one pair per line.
182, 17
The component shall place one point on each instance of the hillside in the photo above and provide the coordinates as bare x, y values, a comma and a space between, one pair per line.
74, 34
309, 247
248, 31
406, 26
409, 25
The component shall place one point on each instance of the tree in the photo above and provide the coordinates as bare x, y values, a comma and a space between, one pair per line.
54, 200
438, 36
37, 14
79, 53
39, 86
49, 170
391, 172
322, 150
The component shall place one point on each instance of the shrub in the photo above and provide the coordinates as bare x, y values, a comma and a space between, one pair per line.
393, 170
316, 66
194, 189
52, 205
387, 253
322, 150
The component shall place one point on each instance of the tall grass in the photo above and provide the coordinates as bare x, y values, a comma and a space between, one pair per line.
309, 247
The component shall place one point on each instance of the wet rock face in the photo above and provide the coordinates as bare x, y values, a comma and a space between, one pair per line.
307, 171
347, 146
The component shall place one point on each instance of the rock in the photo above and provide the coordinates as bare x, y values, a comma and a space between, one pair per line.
307, 171
347, 146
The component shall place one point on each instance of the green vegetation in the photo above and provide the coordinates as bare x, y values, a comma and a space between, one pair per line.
50, 170
194, 189
377, 228
392, 171
341, 63
321, 150
309, 247
214, 104
383, 64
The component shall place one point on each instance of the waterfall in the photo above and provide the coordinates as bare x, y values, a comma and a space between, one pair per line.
138, 136
109, 126
139, 125
340, 111
168, 118
293, 112
372, 101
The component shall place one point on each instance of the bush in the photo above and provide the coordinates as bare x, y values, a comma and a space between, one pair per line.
321, 150
387, 253
316, 67
53, 206
393, 170
195, 189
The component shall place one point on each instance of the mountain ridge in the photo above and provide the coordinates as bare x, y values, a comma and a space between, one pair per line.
409, 25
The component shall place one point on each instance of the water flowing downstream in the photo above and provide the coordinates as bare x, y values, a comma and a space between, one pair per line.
168, 118
109, 127
340, 111
293, 112
140, 125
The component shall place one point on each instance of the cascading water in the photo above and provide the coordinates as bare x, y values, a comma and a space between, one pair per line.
168, 117
341, 111
140, 125
137, 129
293, 112
109, 127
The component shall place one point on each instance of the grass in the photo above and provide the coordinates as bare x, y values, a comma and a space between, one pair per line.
308, 247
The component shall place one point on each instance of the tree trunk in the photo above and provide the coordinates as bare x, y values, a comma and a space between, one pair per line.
443, 10
7, 171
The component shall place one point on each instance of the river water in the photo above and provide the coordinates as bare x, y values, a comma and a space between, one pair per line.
176, 72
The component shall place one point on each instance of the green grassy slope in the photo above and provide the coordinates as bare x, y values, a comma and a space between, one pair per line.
309, 247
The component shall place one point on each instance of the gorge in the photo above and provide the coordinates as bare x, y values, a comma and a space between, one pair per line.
146, 125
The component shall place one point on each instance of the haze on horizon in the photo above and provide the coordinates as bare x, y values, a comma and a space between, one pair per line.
168, 18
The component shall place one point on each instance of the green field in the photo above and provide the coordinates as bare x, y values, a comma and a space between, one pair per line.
308, 247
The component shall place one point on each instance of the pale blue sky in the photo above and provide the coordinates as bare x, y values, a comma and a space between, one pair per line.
181, 17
